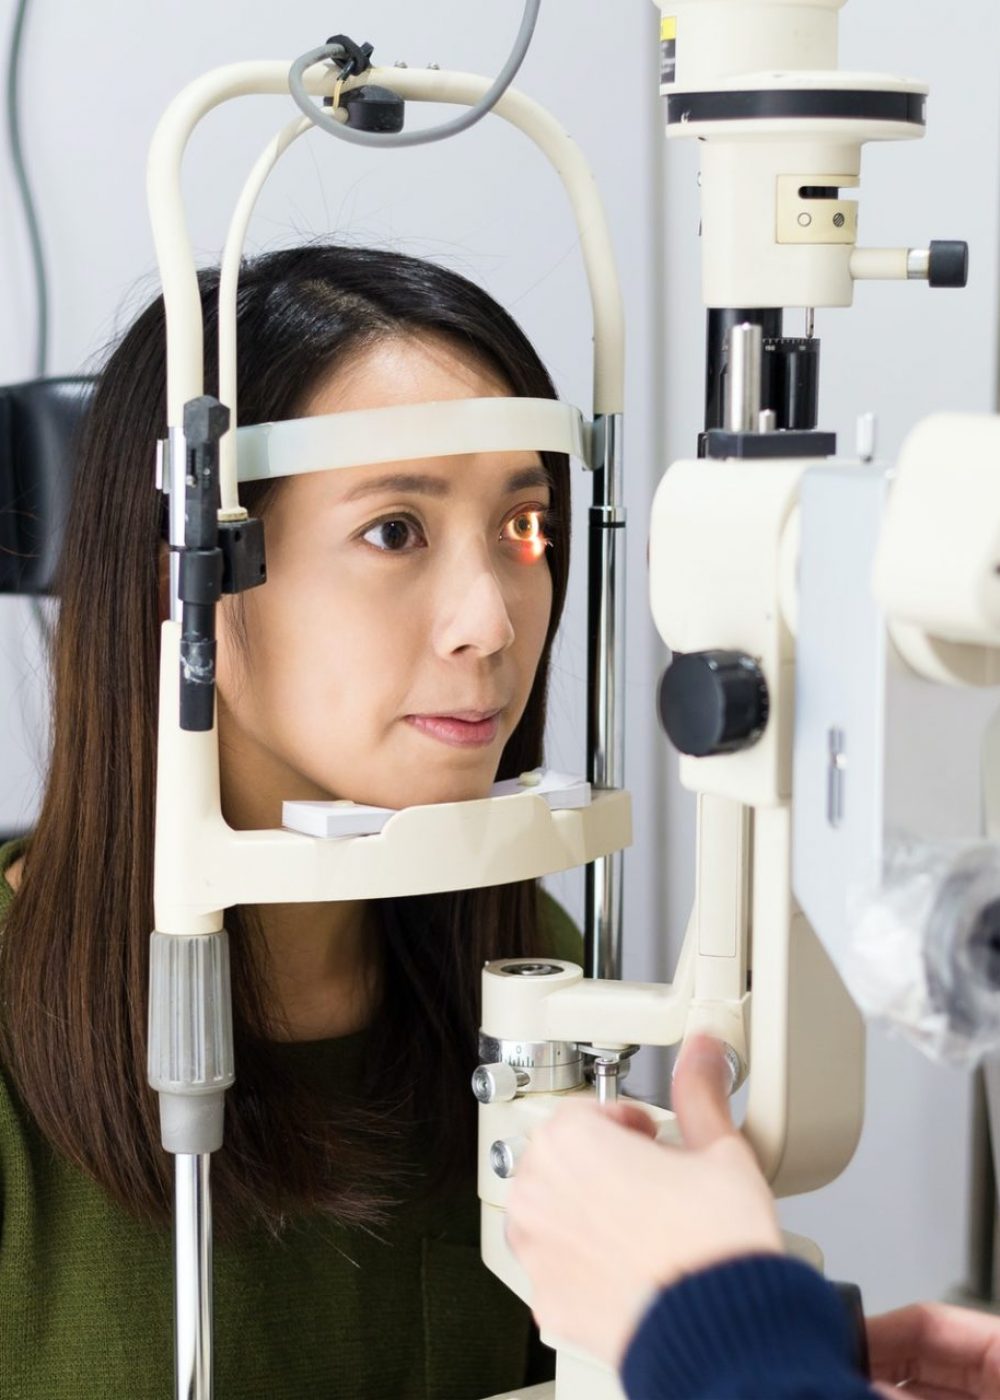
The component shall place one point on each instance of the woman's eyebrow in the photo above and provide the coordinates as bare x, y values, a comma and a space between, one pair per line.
529, 477
411, 483
400, 483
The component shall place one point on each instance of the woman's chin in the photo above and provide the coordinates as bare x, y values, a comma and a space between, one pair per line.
406, 783
447, 788
427, 789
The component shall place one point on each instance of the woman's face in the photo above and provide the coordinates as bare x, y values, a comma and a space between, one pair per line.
392, 650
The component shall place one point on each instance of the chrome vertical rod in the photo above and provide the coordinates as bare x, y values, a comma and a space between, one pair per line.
193, 1277
605, 686
174, 481
743, 378
606, 1073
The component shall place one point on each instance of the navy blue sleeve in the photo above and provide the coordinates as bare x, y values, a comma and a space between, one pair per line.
762, 1326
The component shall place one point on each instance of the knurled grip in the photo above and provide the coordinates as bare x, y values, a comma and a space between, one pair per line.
190, 1013
190, 1054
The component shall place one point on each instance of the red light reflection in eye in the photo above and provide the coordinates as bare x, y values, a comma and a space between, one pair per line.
535, 548
531, 546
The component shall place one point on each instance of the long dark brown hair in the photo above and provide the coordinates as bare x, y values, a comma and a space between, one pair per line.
74, 951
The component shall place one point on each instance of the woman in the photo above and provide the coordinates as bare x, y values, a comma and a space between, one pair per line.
398, 654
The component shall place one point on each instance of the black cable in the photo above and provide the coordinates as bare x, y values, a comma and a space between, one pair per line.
24, 189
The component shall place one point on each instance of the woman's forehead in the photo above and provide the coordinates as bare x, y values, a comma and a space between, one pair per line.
410, 369
485, 476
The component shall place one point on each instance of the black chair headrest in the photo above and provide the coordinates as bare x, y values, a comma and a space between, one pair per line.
39, 426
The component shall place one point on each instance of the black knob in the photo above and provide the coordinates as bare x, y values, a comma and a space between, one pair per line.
372, 108
713, 702
948, 264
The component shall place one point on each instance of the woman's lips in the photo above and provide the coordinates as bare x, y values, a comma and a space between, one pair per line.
461, 733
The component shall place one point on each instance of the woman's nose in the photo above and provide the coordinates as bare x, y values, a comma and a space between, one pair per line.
473, 613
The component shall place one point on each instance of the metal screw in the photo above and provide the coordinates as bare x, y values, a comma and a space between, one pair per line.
504, 1155
482, 1085
839, 221
531, 969
734, 1065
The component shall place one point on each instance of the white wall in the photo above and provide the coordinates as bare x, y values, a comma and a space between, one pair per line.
97, 76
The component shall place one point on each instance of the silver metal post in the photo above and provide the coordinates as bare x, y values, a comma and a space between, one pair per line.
606, 1074
174, 479
192, 1277
605, 686
743, 378
603, 922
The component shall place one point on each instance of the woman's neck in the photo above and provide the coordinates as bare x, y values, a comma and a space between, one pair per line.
320, 968
320, 959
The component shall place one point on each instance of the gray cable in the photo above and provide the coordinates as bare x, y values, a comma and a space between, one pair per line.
34, 236
24, 189
411, 138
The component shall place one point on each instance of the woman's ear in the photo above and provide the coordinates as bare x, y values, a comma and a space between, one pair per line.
164, 580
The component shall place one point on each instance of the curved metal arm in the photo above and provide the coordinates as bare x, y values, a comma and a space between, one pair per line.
185, 353
229, 278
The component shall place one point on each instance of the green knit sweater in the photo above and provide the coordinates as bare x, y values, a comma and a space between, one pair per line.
324, 1313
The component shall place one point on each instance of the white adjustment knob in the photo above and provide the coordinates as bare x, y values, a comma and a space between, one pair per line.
505, 1155
496, 1083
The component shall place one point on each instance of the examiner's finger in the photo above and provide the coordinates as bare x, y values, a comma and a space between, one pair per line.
700, 1095
939, 1345
630, 1115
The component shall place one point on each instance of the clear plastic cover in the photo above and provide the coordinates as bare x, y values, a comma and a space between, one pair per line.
924, 951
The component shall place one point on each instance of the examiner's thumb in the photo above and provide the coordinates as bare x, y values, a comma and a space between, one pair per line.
701, 1087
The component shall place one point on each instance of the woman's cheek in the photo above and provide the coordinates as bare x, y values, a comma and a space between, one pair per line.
535, 613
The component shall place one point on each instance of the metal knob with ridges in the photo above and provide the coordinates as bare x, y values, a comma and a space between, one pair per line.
505, 1155
497, 1083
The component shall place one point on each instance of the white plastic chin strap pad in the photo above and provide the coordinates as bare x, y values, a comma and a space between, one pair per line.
406, 432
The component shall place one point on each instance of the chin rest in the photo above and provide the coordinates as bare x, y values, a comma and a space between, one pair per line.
39, 426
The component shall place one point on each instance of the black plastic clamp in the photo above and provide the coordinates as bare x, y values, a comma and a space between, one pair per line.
358, 56
243, 560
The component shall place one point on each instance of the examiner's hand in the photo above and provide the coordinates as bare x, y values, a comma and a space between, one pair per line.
937, 1352
602, 1218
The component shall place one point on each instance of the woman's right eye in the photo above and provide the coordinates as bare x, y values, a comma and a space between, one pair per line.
395, 535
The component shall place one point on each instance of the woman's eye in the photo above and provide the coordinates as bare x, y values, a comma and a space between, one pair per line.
527, 530
395, 536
